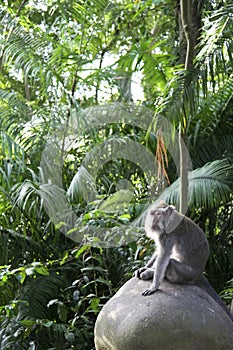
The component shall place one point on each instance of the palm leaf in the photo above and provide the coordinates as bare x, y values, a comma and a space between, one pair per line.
81, 186
24, 51
215, 147
37, 294
211, 112
209, 186
215, 59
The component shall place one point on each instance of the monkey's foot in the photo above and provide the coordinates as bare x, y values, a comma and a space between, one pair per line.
144, 273
147, 274
149, 291
138, 272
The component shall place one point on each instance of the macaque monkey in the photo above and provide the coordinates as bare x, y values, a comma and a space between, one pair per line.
181, 251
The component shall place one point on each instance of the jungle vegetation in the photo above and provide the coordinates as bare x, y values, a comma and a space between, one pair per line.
108, 66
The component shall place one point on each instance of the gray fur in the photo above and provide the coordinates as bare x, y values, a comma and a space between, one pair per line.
181, 252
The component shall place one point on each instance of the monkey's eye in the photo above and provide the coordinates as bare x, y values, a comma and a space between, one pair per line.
155, 212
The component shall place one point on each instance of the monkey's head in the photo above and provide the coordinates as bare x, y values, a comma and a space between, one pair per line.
157, 219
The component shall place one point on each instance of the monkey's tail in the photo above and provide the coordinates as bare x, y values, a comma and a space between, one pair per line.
206, 286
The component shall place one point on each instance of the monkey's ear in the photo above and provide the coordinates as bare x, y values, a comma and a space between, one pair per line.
174, 220
161, 204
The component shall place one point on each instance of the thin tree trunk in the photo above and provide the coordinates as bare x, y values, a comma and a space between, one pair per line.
190, 22
184, 182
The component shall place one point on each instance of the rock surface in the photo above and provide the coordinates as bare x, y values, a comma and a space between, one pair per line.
176, 317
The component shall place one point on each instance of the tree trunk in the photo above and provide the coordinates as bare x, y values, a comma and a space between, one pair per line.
189, 21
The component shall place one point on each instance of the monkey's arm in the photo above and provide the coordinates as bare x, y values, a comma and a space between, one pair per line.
152, 260
160, 267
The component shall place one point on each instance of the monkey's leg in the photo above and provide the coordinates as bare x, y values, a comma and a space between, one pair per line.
160, 268
178, 272
147, 274
144, 273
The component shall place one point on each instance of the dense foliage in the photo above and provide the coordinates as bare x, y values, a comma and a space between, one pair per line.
100, 64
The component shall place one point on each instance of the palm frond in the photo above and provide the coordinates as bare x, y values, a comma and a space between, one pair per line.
24, 51
216, 34
214, 112
215, 58
8, 237
38, 294
81, 186
31, 196
209, 186
212, 148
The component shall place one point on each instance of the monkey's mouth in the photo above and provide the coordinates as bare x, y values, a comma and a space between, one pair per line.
155, 227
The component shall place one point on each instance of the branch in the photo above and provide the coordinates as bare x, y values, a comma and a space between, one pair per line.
186, 20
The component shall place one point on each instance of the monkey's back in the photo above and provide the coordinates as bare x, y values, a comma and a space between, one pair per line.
190, 243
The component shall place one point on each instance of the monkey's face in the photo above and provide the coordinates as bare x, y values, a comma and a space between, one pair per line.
157, 220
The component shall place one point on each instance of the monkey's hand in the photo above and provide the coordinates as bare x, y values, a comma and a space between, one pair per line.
144, 273
149, 291
138, 272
